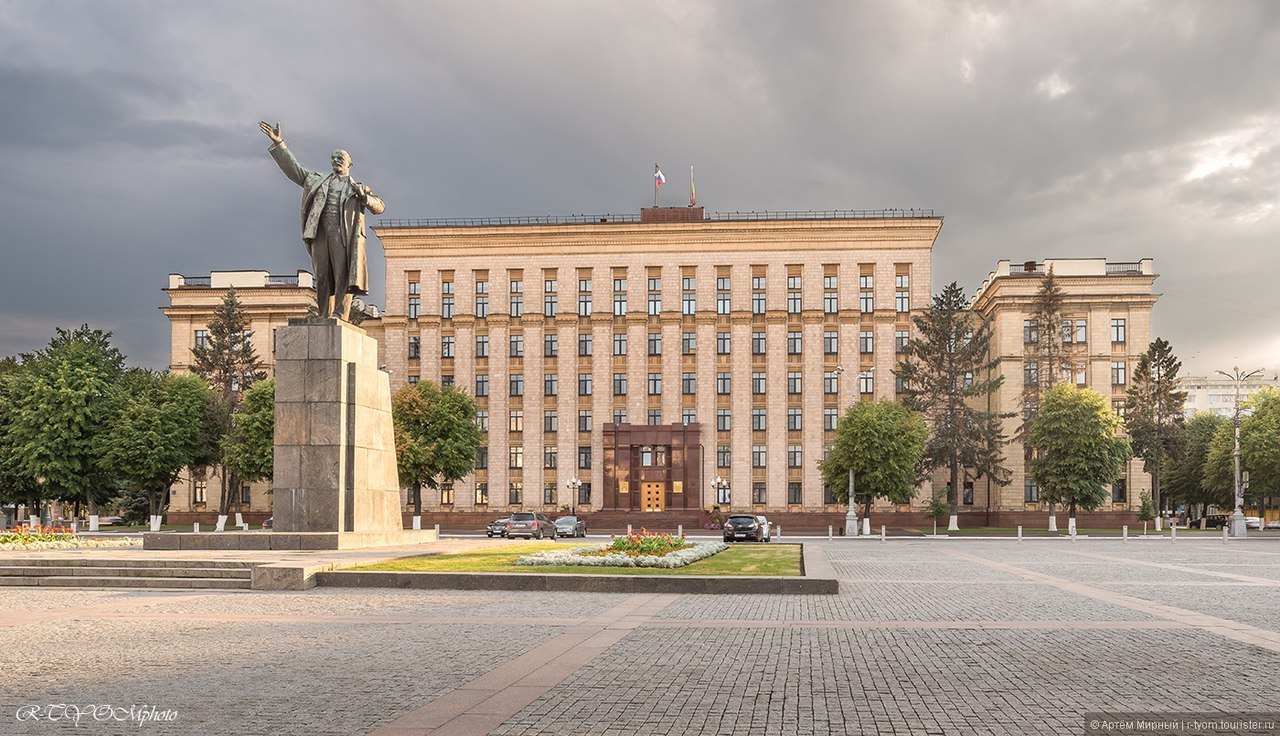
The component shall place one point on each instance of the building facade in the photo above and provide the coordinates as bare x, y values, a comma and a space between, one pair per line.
1106, 325
1217, 394
624, 362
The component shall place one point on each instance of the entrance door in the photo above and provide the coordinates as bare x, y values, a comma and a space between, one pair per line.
653, 496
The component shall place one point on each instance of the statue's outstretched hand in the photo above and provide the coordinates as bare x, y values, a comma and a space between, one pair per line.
272, 133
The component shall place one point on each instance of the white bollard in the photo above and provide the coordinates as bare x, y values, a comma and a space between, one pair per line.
778, 528
73, 525
882, 532
830, 532
679, 530
1173, 532
437, 531
628, 530
1224, 534
195, 528
93, 523
1124, 533
244, 527
417, 523
866, 526
1019, 533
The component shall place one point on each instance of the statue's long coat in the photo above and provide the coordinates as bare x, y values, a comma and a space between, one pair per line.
314, 189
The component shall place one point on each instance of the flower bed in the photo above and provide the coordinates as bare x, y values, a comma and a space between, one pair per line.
633, 550
38, 538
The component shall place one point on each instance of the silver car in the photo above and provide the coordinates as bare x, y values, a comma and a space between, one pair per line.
571, 526
530, 525
764, 525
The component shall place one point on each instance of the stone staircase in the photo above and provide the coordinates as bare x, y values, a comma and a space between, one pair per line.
127, 573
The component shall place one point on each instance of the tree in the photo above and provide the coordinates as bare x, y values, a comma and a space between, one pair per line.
228, 363
882, 442
1260, 442
1046, 356
1081, 452
1185, 473
437, 438
15, 486
59, 405
249, 449
946, 365
154, 432
1218, 481
1146, 510
1153, 411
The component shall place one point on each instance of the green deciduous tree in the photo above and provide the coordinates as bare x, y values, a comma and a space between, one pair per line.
946, 367
1081, 453
1185, 473
883, 443
1260, 442
248, 450
1153, 411
437, 437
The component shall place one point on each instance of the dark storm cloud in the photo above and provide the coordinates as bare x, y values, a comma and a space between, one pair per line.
1123, 130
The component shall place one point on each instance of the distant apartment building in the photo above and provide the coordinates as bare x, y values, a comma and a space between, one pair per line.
1217, 394
1106, 325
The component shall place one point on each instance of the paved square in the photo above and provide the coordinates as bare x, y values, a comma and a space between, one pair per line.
945, 636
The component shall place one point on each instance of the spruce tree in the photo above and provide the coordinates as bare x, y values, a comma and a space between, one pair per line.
946, 371
1153, 411
1047, 353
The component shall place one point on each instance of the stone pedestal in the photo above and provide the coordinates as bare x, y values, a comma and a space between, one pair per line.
335, 453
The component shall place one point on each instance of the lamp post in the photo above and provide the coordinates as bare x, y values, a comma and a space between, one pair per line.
851, 516
1237, 518
722, 490
573, 484
40, 482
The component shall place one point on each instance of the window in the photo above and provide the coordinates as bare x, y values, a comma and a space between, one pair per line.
447, 343
584, 301
795, 382
655, 417
1117, 373
584, 494
724, 420
900, 340
688, 283
199, 491
516, 384
1030, 332
482, 458
966, 493
619, 297
584, 420
655, 343
1120, 491
830, 294
758, 383
968, 380
550, 421
415, 347
827, 497
482, 346
794, 301
722, 343
722, 456
902, 293
517, 298
482, 385
415, 287
866, 342
830, 342
619, 384
1030, 490
688, 303
482, 420
1075, 331
482, 304
795, 421
584, 457
1117, 330
549, 298
515, 456
202, 337
759, 493
549, 458
759, 458
550, 385
689, 384
866, 382
619, 416
549, 494
757, 302
619, 343
1076, 374
758, 343
830, 416
1082, 331
759, 420
655, 304
830, 382
584, 384
794, 493
1117, 406
655, 284
446, 379
722, 294
655, 384
413, 381
446, 306
515, 492
688, 416
415, 303
550, 345
866, 294
722, 382
515, 420
795, 343
899, 384
688, 343
1030, 373
517, 346
584, 344
482, 494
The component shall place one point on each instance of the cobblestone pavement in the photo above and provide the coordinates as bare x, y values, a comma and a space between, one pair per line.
928, 636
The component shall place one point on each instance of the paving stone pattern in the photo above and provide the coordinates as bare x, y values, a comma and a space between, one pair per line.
926, 637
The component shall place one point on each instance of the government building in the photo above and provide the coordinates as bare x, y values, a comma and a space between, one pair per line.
676, 360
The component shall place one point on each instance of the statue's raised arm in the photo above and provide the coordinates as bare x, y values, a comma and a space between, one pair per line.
273, 133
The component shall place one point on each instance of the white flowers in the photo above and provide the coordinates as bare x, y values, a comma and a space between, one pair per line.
578, 556
78, 544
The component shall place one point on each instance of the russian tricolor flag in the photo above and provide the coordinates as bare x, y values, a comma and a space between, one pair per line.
658, 178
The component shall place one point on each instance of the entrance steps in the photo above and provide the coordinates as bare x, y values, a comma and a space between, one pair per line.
127, 573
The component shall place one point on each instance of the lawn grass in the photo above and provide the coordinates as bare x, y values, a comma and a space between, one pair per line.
738, 560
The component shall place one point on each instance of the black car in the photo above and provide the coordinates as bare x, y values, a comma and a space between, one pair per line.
497, 527
743, 526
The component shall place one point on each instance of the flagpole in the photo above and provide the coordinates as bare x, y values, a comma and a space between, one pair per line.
693, 195
655, 185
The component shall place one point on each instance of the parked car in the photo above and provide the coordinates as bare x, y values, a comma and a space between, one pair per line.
743, 526
110, 520
764, 524
268, 522
1252, 522
1273, 524
530, 524
571, 526
497, 527
1216, 521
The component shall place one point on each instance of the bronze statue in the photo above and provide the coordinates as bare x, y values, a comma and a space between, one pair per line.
333, 208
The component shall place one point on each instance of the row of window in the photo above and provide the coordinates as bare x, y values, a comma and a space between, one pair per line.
515, 494
1119, 491
1073, 331
688, 344
759, 494
1077, 374
688, 383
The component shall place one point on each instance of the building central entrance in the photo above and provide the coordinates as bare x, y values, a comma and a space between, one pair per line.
653, 496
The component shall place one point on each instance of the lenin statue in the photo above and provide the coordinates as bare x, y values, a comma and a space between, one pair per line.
333, 206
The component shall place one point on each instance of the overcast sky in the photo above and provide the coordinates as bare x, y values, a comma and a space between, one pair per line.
130, 146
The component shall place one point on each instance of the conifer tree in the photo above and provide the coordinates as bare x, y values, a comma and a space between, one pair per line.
1153, 411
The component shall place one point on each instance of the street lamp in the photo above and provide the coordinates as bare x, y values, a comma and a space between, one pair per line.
851, 516
1237, 518
573, 484
722, 490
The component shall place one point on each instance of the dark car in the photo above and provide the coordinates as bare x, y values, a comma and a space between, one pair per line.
269, 522
498, 527
571, 526
743, 526
1216, 521
530, 524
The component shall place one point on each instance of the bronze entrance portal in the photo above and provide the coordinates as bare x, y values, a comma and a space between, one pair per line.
652, 467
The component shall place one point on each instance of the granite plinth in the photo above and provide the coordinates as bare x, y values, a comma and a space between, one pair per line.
275, 540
